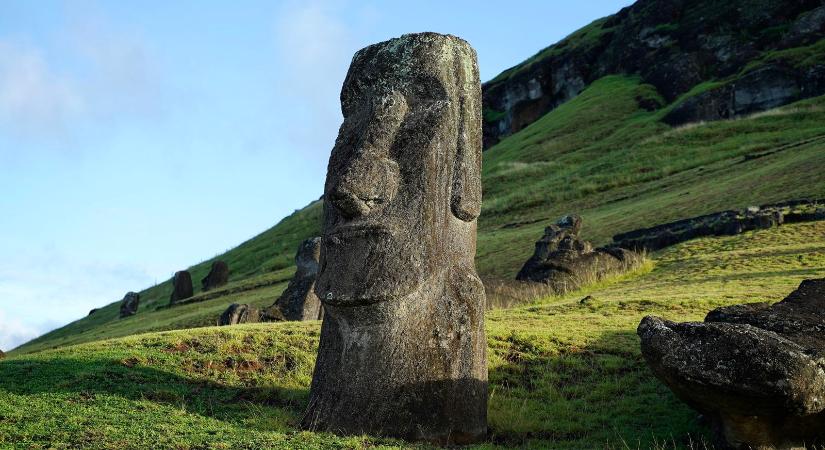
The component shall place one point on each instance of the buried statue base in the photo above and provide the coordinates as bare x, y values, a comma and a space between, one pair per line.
402, 350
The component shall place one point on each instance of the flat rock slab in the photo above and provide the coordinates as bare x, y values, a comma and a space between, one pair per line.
724, 223
757, 371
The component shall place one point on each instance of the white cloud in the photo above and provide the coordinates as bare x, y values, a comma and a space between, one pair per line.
32, 95
13, 331
316, 48
91, 71
45, 289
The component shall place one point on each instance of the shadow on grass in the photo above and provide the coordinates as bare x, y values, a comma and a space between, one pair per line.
90, 378
600, 395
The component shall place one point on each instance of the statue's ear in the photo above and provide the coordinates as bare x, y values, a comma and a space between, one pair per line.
466, 196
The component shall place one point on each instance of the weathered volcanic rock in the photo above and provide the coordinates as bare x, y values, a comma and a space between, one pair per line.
757, 371
240, 313
722, 224
298, 301
566, 262
181, 286
129, 304
218, 276
402, 350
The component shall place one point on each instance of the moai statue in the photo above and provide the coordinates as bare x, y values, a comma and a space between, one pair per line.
299, 302
181, 287
402, 350
129, 304
218, 276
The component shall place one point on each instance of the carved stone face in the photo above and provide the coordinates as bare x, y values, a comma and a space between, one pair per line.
398, 206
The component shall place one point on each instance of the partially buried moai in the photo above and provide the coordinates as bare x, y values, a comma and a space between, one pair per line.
402, 350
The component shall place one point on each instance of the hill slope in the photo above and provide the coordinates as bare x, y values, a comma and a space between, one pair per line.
563, 375
606, 153
711, 59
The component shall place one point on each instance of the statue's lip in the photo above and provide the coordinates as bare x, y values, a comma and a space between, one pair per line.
354, 229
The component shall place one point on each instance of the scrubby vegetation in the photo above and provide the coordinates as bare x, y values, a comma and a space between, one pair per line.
563, 374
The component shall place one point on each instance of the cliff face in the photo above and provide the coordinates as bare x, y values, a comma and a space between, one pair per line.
709, 59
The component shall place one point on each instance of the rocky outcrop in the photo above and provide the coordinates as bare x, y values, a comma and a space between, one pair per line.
181, 287
2, 355
129, 304
673, 45
402, 351
94, 311
565, 262
239, 313
218, 276
298, 301
756, 371
764, 88
723, 223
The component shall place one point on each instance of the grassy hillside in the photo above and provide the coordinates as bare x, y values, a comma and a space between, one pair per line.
600, 155
563, 375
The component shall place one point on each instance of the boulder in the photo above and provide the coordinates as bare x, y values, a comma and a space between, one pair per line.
181, 287
298, 301
129, 304
218, 276
239, 313
756, 371
402, 348
565, 262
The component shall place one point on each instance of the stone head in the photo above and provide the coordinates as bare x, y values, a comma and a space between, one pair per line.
403, 184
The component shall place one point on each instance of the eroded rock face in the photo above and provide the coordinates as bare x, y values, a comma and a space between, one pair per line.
402, 350
218, 276
566, 262
181, 286
2, 355
673, 45
239, 313
129, 304
757, 370
298, 301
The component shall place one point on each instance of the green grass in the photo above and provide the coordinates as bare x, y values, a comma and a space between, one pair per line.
599, 155
562, 375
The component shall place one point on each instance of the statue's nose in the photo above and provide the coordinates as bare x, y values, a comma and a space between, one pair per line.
370, 178
368, 184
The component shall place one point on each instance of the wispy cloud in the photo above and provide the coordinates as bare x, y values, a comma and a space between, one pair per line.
14, 331
99, 73
33, 96
44, 289
316, 46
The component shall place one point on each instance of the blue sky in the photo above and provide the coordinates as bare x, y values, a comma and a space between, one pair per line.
138, 138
